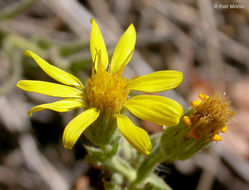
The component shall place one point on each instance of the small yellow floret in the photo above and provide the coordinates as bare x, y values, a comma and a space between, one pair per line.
203, 97
216, 137
195, 103
106, 91
187, 120
223, 129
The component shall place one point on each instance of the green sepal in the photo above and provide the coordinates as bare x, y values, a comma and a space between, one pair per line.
103, 131
175, 143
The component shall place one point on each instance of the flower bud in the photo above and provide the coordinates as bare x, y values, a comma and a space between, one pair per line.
199, 126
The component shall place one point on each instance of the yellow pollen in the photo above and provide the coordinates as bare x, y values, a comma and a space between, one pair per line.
195, 103
216, 137
107, 91
223, 129
187, 120
203, 97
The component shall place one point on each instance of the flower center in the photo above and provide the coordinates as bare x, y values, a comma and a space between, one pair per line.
107, 91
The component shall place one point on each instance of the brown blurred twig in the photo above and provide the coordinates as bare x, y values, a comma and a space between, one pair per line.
10, 83
214, 57
229, 47
37, 162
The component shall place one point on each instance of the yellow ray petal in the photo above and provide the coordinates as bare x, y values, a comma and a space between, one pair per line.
50, 89
76, 127
97, 43
59, 106
156, 82
136, 136
158, 109
124, 49
54, 72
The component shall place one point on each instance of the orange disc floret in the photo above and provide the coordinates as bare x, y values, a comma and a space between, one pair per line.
196, 103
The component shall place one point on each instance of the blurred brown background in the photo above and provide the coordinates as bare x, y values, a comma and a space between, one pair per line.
206, 40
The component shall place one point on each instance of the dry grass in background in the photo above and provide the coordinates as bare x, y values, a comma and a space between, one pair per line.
209, 45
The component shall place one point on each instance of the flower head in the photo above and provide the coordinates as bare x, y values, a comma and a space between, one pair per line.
199, 126
210, 117
106, 94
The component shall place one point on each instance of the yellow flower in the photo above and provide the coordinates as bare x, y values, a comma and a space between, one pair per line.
107, 92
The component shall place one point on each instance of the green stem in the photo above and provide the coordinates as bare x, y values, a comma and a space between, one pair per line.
157, 182
148, 165
117, 164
